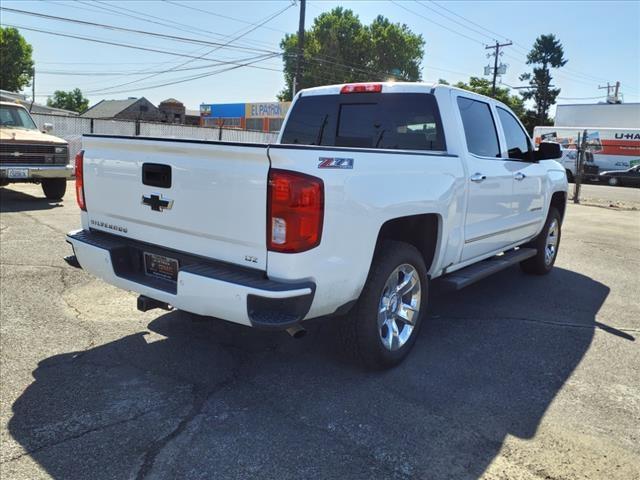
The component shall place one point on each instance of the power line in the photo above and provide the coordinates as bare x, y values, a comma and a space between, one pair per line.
146, 17
456, 21
186, 79
437, 23
100, 9
469, 21
331, 60
318, 58
517, 45
557, 73
129, 13
191, 40
254, 27
219, 15
99, 73
125, 45
131, 30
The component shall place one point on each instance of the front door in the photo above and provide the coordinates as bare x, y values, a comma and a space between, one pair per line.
490, 212
528, 175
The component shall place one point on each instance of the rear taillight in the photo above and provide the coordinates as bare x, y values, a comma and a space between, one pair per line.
361, 88
295, 211
80, 181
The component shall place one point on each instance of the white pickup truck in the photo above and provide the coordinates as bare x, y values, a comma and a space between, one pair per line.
371, 192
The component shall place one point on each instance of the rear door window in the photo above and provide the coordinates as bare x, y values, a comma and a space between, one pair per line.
479, 128
402, 121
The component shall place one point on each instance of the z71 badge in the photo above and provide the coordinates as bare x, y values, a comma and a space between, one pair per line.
331, 162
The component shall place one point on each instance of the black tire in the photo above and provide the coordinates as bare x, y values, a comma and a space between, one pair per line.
570, 178
540, 264
362, 334
614, 182
54, 188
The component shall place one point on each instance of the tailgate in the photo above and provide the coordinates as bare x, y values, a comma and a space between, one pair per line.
214, 205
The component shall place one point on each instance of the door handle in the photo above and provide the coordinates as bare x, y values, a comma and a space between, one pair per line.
519, 176
478, 177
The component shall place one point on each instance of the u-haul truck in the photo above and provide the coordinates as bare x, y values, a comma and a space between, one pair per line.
613, 135
609, 148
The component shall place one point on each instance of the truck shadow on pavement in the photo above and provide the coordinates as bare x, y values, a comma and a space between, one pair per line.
15, 201
198, 398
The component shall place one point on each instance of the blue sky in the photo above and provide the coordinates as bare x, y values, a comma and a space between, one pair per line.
601, 40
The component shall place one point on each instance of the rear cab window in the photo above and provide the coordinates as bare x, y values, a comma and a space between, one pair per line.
397, 121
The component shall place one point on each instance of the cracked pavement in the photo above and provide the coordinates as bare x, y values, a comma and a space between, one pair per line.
514, 377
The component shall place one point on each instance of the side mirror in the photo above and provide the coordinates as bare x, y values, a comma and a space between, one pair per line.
548, 151
47, 128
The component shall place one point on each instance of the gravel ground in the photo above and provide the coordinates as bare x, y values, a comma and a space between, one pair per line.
514, 377
605, 196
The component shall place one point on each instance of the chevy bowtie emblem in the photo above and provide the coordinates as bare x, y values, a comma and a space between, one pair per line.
156, 202
16, 154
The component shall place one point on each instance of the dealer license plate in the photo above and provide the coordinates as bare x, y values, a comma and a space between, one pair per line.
160, 266
18, 172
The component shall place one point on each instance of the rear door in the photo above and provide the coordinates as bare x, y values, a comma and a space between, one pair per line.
490, 213
528, 175
203, 198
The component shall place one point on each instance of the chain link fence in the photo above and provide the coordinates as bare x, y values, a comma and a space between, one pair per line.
72, 129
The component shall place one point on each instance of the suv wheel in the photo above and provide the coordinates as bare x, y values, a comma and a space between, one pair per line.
547, 244
384, 325
570, 178
54, 188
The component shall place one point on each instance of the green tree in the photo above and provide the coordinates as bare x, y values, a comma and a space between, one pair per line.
338, 48
16, 65
72, 100
484, 87
547, 53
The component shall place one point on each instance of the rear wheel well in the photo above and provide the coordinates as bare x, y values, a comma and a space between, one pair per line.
559, 202
421, 231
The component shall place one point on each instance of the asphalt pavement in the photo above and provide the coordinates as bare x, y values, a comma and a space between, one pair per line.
516, 377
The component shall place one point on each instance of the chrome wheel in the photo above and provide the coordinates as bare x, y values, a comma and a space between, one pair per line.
399, 307
551, 245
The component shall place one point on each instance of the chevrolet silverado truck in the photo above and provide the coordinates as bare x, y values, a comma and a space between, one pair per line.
28, 155
371, 192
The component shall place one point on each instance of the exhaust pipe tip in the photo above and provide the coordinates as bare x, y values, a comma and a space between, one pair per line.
296, 331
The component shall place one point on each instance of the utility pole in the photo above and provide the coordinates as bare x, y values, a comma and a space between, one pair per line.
33, 91
297, 83
616, 92
496, 54
580, 158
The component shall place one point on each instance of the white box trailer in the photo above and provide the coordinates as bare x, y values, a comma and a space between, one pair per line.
607, 115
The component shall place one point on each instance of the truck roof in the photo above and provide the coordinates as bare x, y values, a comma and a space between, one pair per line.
12, 104
396, 87
388, 87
